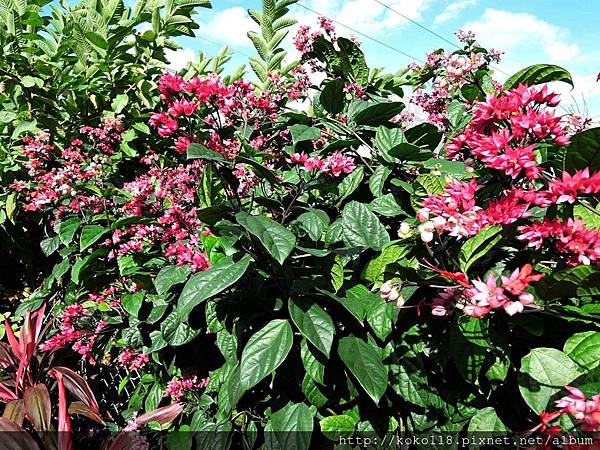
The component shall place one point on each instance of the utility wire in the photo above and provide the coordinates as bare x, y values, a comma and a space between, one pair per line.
439, 36
417, 24
364, 35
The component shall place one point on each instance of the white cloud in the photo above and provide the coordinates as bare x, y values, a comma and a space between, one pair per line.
452, 11
368, 16
229, 26
585, 94
178, 59
522, 33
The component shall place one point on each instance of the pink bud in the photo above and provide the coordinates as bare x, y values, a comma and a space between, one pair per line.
423, 214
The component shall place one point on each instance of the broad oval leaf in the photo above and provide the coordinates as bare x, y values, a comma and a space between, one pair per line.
15, 437
292, 426
365, 364
313, 322
278, 240
538, 74
549, 366
361, 228
264, 352
90, 234
584, 349
479, 245
335, 427
199, 151
204, 285
170, 276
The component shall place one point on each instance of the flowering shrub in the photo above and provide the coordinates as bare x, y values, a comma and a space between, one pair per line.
332, 269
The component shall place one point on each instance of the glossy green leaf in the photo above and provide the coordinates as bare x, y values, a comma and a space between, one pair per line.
549, 366
313, 322
170, 276
538, 74
478, 246
90, 234
365, 364
204, 285
584, 349
265, 351
277, 239
361, 228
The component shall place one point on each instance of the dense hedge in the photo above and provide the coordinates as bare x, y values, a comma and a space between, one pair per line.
240, 257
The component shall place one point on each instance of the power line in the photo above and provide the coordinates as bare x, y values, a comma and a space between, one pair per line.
363, 34
439, 36
417, 24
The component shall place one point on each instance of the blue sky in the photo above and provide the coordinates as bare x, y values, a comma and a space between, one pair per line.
563, 32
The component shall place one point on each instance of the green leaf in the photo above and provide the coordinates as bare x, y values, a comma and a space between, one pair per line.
199, 151
50, 245
538, 74
361, 228
381, 316
409, 381
313, 362
378, 114
170, 276
475, 330
478, 246
332, 96
336, 427
312, 224
7, 116
424, 135
584, 151
353, 61
292, 426
387, 139
590, 219
90, 234
67, 228
204, 285
410, 152
264, 352
337, 273
584, 349
536, 395
350, 183
486, 421
119, 103
375, 269
377, 180
313, 322
301, 133
277, 239
365, 364
387, 206
549, 366
175, 331
97, 40
132, 302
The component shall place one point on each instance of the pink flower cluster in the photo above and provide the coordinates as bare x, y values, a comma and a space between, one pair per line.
335, 164
585, 411
571, 237
169, 195
132, 360
505, 129
455, 212
176, 389
450, 72
209, 102
479, 297
56, 177
72, 333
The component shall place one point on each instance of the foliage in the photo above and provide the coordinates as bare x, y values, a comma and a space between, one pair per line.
335, 270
